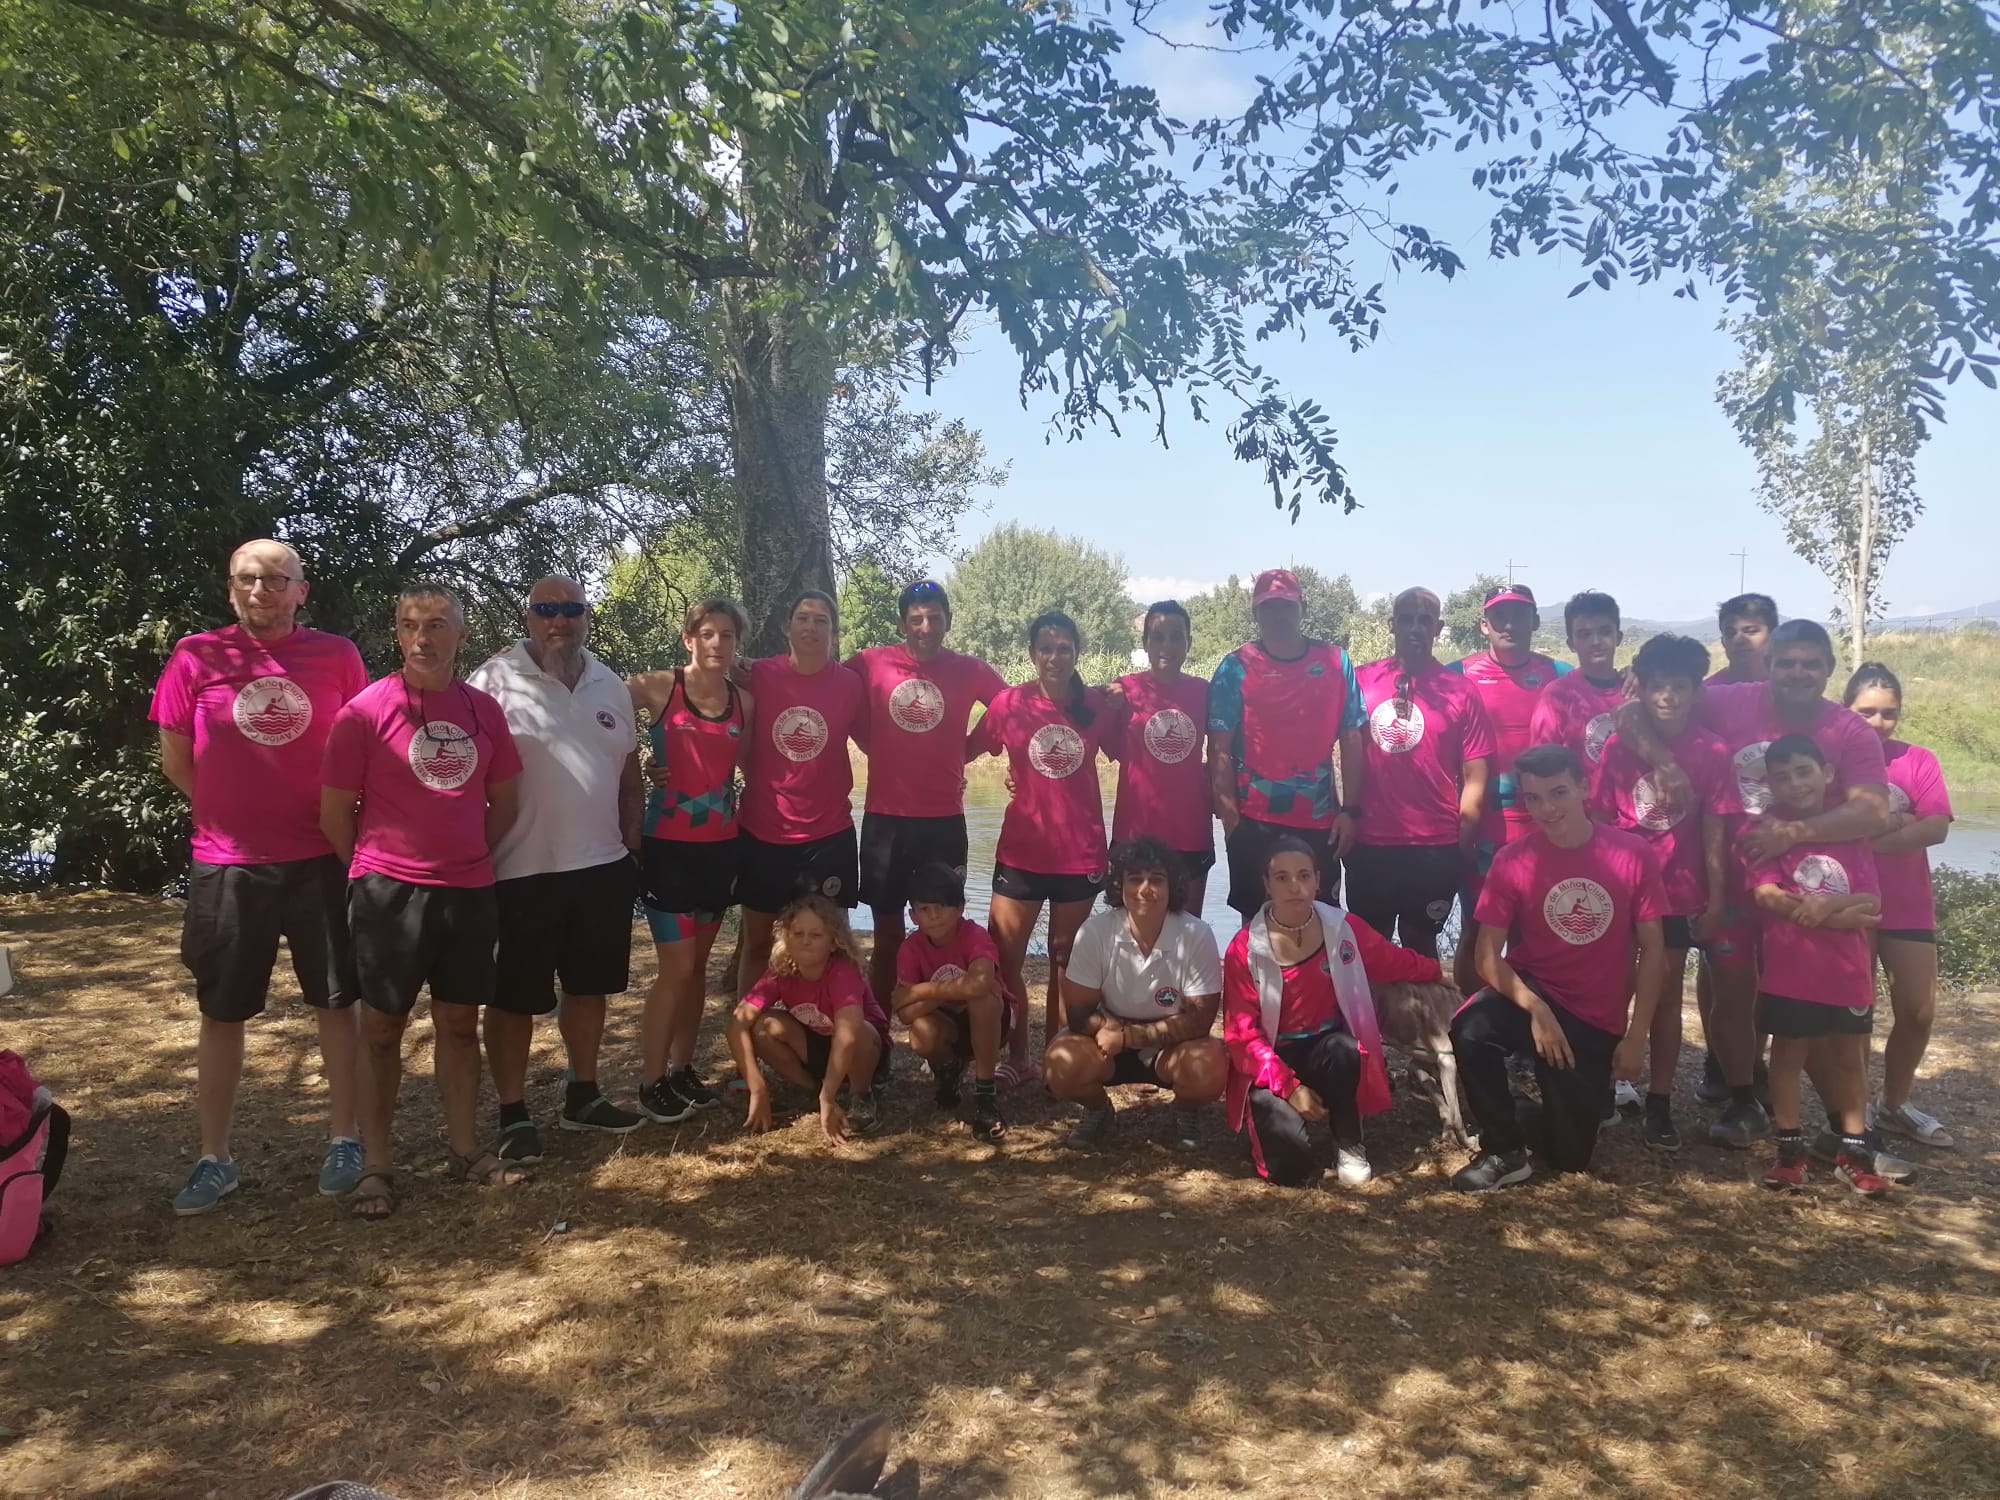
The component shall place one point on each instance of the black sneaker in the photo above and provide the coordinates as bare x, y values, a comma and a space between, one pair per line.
1187, 1129
949, 1074
520, 1142
986, 1122
687, 1083
1658, 1132
1492, 1170
599, 1114
660, 1100
1740, 1126
864, 1112
1089, 1131
1712, 1089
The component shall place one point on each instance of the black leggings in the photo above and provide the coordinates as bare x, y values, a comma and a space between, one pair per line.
1329, 1064
1574, 1100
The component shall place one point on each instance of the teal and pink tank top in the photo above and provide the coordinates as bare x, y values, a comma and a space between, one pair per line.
698, 803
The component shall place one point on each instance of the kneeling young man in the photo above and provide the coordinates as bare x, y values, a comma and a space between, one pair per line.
948, 992
1569, 904
1141, 995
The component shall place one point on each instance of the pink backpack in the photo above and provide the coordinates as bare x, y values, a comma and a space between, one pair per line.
34, 1135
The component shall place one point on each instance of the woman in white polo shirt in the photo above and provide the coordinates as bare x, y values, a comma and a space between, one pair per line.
1141, 994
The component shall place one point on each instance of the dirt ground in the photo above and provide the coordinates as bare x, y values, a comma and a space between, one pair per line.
694, 1312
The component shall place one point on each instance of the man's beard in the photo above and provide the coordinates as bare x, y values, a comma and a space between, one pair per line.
562, 661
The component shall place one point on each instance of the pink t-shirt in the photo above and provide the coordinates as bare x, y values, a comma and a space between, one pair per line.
814, 1003
1624, 794
914, 726
1824, 965
1054, 824
1916, 785
1578, 713
919, 960
1744, 717
423, 790
1417, 750
1162, 777
259, 713
1509, 695
1570, 916
796, 774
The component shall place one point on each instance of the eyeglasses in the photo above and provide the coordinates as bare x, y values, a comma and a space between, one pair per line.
271, 581
568, 609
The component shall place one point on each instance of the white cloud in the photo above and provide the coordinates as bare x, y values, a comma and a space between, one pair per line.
1194, 68
1147, 589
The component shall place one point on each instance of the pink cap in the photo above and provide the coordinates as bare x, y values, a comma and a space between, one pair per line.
1275, 583
1510, 595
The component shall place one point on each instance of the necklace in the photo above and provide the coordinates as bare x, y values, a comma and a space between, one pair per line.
1298, 931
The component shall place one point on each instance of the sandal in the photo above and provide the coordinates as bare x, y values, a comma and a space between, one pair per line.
374, 1196
486, 1170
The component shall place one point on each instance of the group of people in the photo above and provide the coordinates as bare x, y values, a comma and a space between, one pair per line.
487, 836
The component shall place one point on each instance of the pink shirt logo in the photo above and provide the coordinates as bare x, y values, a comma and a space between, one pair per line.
946, 973
1750, 783
917, 704
1397, 725
1822, 874
1056, 750
808, 1014
443, 755
272, 710
1170, 736
1650, 809
1899, 800
1595, 733
799, 733
1578, 910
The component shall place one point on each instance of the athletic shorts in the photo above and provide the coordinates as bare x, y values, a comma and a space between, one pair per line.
1196, 863
961, 1020
1677, 933
1027, 885
769, 877
407, 936
572, 927
1778, 1016
1249, 847
1404, 888
819, 1050
685, 879
235, 916
1909, 934
895, 848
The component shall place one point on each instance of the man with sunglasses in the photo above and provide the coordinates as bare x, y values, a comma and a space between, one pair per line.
565, 879
421, 782
243, 714
1429, 749
1509, 676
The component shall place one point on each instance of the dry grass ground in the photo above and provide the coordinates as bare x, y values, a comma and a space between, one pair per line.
693, 1312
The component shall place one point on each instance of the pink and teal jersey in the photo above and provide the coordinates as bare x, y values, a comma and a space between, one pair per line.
698, 803
1578, 713
1284, 719
1823, 965
1509, 695
1916, 786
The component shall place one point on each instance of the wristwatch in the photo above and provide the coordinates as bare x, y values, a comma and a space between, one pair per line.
1351, 810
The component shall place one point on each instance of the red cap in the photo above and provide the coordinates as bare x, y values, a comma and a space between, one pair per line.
1275, 583
1514, 594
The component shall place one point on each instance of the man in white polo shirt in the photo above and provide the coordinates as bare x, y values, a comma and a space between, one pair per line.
566, 880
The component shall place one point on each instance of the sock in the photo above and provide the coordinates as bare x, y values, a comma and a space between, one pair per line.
1791, 1143
985, 1088
514, 1114
1855, 1145
1659, 1104
579, 1092
1742, 1093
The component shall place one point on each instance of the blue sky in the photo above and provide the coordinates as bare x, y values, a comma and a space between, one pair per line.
1495, 419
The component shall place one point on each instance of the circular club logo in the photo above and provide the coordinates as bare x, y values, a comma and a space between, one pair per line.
1167, 997
1171, 736
1899, 800
1437, 911
917, 705
1346, 951
272, 710
1595, 733
607, 719
946, 973
811, 1015
1822, 874
799, 733
443, 755
1649, 806
830, 887
1397, 725
1750, 783
1578, 910
1056, 751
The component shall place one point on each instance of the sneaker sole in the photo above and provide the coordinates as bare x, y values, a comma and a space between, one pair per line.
1665, 1148
1943, 1141
1506, 1179
1862, 1192
333, 1192
660, 1119
1780, 1187
584, 1127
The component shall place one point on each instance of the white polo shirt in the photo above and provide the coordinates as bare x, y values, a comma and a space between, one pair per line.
573, 746
1146, 987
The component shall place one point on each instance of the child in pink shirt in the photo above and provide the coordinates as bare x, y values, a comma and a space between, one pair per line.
948, 992
1816, 981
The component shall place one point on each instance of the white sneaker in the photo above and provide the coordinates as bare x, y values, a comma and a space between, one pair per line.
6, 971
1353, 1169
1909, 1122
1625, 1101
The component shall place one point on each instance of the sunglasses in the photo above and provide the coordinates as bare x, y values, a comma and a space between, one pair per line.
568, 609
1511, 588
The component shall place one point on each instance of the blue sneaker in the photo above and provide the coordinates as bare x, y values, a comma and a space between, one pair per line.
208, 1184
340, 1169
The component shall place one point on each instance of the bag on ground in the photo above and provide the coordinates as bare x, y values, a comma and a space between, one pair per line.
34, 1136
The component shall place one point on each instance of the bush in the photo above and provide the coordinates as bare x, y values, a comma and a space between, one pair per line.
1968, 918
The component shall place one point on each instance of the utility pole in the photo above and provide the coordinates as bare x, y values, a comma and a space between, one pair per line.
1511, 566
1742, 568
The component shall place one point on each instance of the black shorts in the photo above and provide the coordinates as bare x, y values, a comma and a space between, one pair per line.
1404, 886
235, 916
681, 876
1677, 933
1196, 863
1909, 934
894, 848
1027, 885
769, 877
572, 926
1779, 1016
961, 1020
1250, 846
407, 936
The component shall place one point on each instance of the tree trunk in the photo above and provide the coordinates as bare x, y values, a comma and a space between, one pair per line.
1862, 575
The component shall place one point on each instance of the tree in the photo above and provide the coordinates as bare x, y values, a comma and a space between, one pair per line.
868, 607
1220, 618
1015, 573
1463, 609
899, 481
